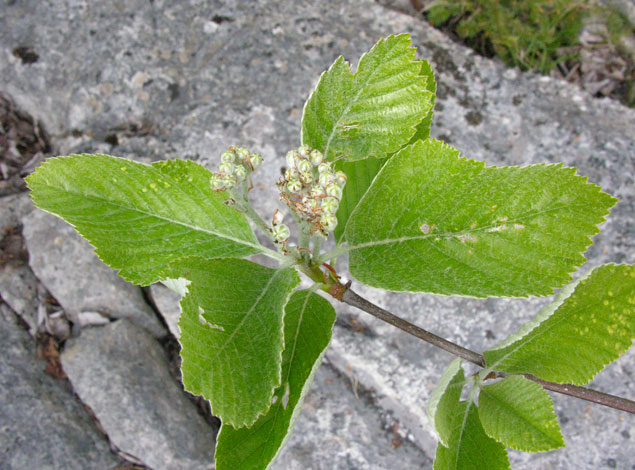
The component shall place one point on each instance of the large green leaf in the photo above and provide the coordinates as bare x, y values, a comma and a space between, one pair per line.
359, 176
308, 322
360, 173
141, 217
372, 112
519, 414
232, 333
444, 401
589, 325
469, 447
435, 222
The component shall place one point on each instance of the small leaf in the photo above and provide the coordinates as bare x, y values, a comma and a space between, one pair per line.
231, 333
372, 112
360, 173
141, 217
589, 325
308, 323
519, 414
469, 446
444, 400
435, 222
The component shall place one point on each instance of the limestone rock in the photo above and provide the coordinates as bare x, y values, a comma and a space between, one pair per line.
42, 425
71, 271
121, 373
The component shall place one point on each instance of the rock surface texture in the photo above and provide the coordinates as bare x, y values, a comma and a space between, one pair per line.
154, 79
41, 424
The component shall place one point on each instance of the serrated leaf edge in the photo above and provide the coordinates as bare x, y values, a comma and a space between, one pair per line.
346, 247
524, 332
279, 362
520, 447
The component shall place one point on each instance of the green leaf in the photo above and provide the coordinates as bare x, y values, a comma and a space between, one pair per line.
308, 323
232, 333
435, 222
423, 128
444, 400
359, 176
589, 325
469, 446
141, 217
519, 414
372, 112
360, 173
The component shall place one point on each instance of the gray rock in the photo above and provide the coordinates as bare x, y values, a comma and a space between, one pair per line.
167, 303
121, 373
13, 208
71, 271
42, 426
18, 284
19, 289
197, 77
340, 428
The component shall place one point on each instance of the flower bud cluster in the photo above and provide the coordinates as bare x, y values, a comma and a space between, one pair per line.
237, 163
312, 189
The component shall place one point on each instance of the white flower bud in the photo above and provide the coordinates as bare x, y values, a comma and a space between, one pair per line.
291, 174
306, 177
294, 186
324, 167
304, 150
280, 233
227, 157
334, 190
277, 218
328, 222
326, 178
242, 153
316, 157
291, 158
317, 191
256, 160
215, 182
329, 205
226, 168
229, 181
304, 166
240, 172
340, 179
311, 203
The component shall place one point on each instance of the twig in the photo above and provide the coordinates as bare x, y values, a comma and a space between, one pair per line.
351, 298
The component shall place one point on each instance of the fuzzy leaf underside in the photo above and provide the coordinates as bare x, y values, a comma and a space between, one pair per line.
519, 414
436, 222
587, 327
373, 112
443, 403
141, 217
469, 447
232, 333
308, 323
360, 173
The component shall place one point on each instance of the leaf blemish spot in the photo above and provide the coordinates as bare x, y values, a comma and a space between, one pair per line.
285, 397
426, 229
519, 226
